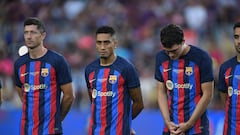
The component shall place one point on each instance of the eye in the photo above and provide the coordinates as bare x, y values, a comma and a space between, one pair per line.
106, 42
98, 42
236, 36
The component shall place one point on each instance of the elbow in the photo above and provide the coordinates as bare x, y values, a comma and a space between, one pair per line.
141, 107
70, 98
208, 98
211, 96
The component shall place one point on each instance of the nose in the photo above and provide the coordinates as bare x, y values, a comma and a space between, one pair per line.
102, 46
238, 40
170, 54
27, 35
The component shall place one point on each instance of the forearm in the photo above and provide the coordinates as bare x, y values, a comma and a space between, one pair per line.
137, 104
20, 93
137, 107
66, 104
163, 102
163, 106
223, 98
90, 96
0, 98
200, 109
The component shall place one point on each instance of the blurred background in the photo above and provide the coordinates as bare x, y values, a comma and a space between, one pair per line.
71, 26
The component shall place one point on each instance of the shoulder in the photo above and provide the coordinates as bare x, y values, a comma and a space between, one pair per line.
197, 50
22, 59
199, 53
161, 53
161, 57
94, 64
122, 62
55, 57
54, 54
123, 65
229, 62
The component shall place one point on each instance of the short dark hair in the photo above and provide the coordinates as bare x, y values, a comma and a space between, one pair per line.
170, 35
106, 29
35, 21
236, 25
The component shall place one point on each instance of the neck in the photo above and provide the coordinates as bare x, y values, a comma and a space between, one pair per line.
186, 49
108, 61
37, 52
238, 58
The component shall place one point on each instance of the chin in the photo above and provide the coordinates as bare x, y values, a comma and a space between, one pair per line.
103, 57
173, 58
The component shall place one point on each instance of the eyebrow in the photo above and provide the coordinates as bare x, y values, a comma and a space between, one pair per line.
235, 35
172, 50
103, 41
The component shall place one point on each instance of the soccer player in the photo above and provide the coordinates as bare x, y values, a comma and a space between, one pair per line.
114, 88
42, 76
185, 84
229, 87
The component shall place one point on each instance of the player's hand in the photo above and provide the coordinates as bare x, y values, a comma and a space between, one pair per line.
182, 127
172, 127
132, 132
177, 134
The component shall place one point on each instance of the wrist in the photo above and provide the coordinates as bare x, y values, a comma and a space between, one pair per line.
167, 122
190, 124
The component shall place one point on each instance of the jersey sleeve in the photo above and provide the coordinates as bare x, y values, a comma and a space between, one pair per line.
132, 77
63, 71
86, 78
16, 76
206, 69
158, 75
221, 80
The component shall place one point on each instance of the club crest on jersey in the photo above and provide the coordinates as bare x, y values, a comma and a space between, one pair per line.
169, 84
112, 79
26, 87
188, 71
44, 72
230, 91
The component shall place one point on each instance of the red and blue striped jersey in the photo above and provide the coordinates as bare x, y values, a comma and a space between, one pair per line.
40, 80
229, 83
183, 78
111, 106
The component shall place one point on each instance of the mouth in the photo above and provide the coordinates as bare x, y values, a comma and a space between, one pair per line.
29, 42
102, 53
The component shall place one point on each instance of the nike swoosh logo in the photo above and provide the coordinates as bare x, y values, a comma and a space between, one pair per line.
90, 81
24, 74
166, 70
228, 76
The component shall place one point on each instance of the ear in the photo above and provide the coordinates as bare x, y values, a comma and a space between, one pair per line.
43, 35
115, 43
183, 41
